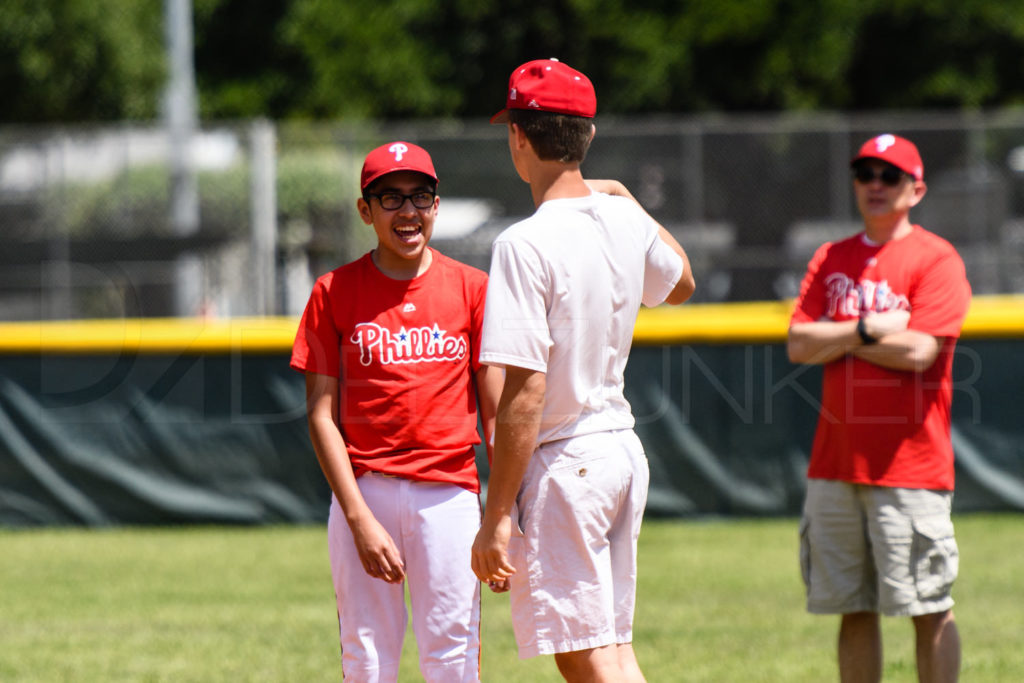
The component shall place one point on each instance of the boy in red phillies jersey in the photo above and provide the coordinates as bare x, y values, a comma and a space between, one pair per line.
390, 347
882, 310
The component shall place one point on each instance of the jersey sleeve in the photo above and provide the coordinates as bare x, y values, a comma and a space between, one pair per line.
663, 268
516, 328
941, 297
317, 342
810, 303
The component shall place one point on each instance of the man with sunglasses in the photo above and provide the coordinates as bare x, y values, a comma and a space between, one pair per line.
390, 347
881, 311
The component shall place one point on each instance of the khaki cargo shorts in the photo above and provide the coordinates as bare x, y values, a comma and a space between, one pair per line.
877, 549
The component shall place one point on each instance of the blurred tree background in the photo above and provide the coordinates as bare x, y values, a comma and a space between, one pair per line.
82, 60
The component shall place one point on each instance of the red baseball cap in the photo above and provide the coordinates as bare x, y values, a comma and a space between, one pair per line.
549, 85
396, 156
899, 152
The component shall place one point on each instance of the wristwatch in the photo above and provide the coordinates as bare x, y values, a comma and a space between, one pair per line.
864, 336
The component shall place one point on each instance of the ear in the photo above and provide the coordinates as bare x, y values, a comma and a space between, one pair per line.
517, 136
364, 211
593, 132
919, 191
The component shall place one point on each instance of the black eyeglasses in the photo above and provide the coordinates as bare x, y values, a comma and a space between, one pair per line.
392, 201
889, 175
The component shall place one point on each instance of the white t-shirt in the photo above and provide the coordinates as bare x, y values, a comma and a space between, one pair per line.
564, 290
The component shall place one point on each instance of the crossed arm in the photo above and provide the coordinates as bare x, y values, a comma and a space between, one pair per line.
898, 348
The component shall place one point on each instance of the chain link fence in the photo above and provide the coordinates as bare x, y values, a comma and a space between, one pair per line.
88, 211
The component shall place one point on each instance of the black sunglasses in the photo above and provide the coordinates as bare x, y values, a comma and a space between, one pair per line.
392, 201
889, 175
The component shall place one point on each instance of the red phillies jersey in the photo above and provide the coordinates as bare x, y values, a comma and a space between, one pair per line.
404, 352
878, 426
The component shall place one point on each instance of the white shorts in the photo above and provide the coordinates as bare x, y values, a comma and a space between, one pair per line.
877, 549
433, 526
578, 517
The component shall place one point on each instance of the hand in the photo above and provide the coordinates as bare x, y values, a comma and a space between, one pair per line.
377, 551
613, 187
490, 553
887, 322
498, 586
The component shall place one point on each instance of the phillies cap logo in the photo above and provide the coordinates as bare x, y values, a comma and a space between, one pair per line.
884, 142
396, 156
399, 150
893, 149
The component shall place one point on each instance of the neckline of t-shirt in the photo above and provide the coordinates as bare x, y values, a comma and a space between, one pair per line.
411, 281
868, 242
585, 199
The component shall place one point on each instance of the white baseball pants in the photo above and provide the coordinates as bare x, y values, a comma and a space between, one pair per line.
433, 525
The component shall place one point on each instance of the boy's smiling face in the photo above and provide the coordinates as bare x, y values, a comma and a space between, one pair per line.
402, 233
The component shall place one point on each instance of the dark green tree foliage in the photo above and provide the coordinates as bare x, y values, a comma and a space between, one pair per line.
68, 60
394, 58
244, 68
75, 60
941, 54
373, 58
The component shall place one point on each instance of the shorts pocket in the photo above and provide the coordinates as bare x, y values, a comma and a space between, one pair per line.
805, 552
578, 466
934, 557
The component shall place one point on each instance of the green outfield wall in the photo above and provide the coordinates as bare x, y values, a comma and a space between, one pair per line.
202, 421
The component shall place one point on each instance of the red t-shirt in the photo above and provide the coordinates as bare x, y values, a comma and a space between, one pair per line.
878, 426
404, 352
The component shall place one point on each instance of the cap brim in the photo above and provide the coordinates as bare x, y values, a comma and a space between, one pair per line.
862, 157
380, 174
500, 117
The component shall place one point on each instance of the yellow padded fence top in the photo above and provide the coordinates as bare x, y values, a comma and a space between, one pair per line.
727, 323
767, 321
150, 335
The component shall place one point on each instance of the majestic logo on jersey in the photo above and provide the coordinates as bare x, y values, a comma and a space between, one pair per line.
409, 307
849, 299
416, 345
399, 150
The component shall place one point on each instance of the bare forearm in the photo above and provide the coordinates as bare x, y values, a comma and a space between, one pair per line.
488, 390
337, 468
825, 341
908, 350
377, 550
516, 429
686, 286
513, 449
329, 445
821, 342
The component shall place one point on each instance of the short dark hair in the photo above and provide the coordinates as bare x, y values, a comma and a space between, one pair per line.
555, 137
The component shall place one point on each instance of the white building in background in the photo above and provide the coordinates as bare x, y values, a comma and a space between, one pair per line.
100, 155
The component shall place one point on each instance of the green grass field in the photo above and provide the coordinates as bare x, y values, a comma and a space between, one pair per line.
719, 601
